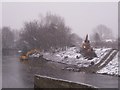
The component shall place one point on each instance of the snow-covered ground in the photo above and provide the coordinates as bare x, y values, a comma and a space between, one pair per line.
69, 57
111, 68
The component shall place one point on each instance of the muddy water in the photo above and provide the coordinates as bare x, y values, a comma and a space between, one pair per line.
19, 75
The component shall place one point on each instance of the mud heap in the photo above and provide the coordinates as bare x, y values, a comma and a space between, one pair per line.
86, 50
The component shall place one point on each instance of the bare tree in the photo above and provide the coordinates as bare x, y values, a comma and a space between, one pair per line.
104, 32
76, 40
49, 32
97, 39
7, 38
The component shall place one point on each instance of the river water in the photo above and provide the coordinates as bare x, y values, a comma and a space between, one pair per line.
18, 75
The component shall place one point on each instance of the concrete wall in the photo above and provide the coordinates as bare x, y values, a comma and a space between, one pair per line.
48, 82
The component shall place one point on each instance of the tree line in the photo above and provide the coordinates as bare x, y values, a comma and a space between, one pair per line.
49, 33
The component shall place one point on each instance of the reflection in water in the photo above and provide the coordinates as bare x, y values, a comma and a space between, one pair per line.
20, 75
13, 73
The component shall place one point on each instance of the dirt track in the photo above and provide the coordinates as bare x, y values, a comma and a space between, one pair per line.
105, 60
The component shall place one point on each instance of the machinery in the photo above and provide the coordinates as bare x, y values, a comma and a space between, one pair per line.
86, 49
32, 53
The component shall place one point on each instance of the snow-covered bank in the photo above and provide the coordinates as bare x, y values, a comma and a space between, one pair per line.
70, 57
111, 68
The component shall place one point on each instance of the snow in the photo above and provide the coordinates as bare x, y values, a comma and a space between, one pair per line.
19, 51
101, 52
34, 38
25, 42
109, 40
35, 55
111, 68
69, 57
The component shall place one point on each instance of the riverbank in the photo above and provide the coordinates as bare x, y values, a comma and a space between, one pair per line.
106, 61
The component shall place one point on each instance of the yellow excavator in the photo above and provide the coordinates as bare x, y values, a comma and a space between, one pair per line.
26, 56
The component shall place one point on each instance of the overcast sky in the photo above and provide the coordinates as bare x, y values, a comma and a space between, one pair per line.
81, 17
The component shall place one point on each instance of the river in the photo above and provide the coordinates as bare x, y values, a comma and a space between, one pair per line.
18, 75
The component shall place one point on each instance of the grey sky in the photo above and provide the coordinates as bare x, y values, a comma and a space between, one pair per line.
81, 17
0, 16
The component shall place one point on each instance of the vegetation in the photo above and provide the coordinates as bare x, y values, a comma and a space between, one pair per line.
49, 33
102, 37
7, 38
